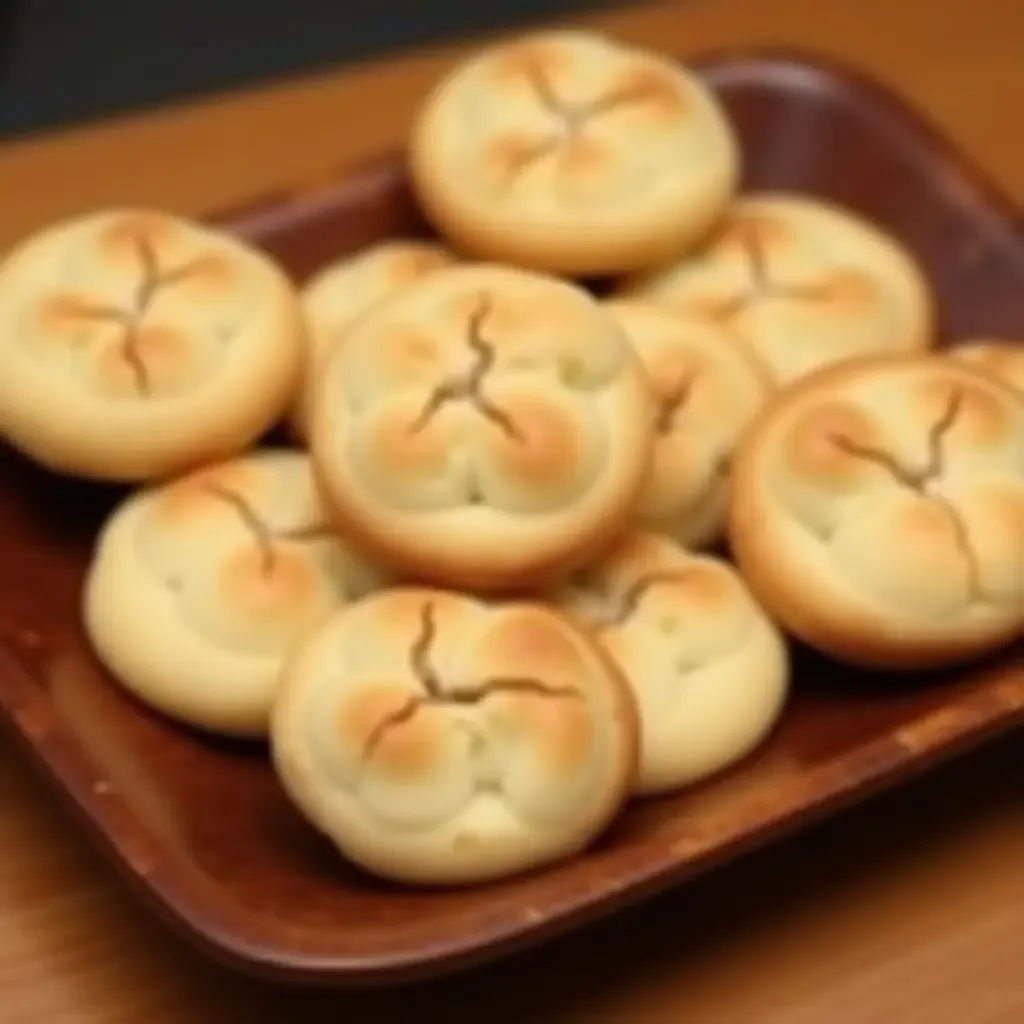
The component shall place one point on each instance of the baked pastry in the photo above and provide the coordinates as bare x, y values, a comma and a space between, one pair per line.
135, 344
708, 669
436, 739
568, 152
707, 387
487, 428
339, 293
877, 511
198, 588
806, 282
996, 357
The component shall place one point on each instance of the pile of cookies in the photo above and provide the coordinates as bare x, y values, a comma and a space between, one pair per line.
484, 597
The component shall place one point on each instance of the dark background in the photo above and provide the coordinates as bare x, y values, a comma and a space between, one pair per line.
63, 61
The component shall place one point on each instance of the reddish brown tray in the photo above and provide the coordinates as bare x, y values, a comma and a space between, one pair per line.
202, 829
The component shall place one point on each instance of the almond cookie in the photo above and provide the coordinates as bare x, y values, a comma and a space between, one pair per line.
568, 152
487, 428
878, 511
199, 587
708, 670
706, 387
436, 739
335, 297
135, 344
805, 282
996, 357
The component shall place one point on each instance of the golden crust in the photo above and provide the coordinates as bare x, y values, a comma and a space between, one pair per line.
436, 739
708, 670
137, 345
805, 282
490, 429
339, 293
199, 587
999, 358
567, 152
874, 509
706, 388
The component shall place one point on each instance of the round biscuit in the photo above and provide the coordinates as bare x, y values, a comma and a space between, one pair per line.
806, 282
708, 669
488, 428
135, 345
706, 388
878, 511
439, 740
569, 152
198, 588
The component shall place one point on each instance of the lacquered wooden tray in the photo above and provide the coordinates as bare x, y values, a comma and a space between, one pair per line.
201, 828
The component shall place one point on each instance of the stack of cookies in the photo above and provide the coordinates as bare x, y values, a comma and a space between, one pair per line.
534, 548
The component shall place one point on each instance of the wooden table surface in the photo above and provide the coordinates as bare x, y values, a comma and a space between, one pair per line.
910, 909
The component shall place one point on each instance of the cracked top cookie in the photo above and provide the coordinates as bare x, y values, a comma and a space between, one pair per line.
805, 282
568, 152
708, 669
199, 587
135, 344
706, 388
437, 739
340, 292
487, 428
995, 357
878, 511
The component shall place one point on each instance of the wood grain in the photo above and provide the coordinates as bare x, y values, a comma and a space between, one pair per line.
911, 909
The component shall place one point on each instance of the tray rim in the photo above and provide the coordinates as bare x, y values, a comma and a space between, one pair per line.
194, 908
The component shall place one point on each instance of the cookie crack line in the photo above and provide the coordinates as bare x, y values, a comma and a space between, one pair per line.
265, 537
469, 386
674, 403
762, 285
151, 283
626, 603
917, 479
436, 694
573, 117
921, 478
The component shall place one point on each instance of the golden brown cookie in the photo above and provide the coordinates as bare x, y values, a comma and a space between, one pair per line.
487, 428
569, 152
707, 387
996, 357
136, 344
807, 283
198, 588
708, 669
338, 294
436, 739
878, 511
